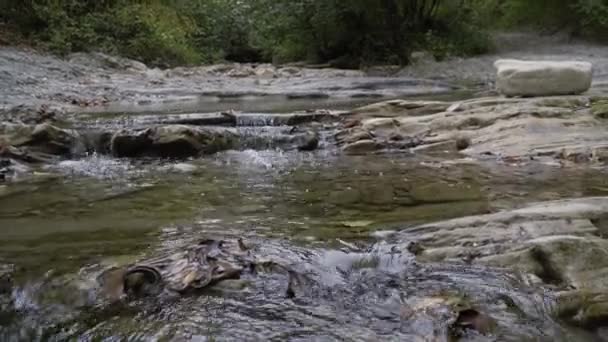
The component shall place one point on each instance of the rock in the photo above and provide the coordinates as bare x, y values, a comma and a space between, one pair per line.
542, 78
43, 138
473, 319
585, 309
231, 285
309, 143
184, 167
522, 129
560, 242
599, 108
54, 140
103, 61
177, 141
6, 279
240, 71
196, 267
265, 71
11, 169
361, 146
463, 143
24, 155
558, 245
196, 119
394, 108
292, 119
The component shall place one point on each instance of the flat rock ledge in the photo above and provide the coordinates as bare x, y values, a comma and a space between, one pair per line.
557, 129
559, 244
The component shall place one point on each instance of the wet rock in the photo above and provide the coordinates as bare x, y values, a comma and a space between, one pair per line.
111, 282
394, 108
6, 279
184, 167
141, 281
291, 119
313, 116
176, 141
350, 136
463, 143
309, 143
232, 285
54, 140
587, 309
197, 267
542, 78
97, 141
11, 170
471, 319
520, 129
23, 156
415, 248
194, 119
496, 234
32, 114
361, 147
559, 243
43, 138
599, 108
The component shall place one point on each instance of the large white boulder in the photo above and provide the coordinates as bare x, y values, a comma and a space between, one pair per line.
542, 78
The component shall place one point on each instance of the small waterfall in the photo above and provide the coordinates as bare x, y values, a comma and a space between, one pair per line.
260, 119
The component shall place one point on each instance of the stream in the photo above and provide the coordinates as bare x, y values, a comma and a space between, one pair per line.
98, 210
386, 224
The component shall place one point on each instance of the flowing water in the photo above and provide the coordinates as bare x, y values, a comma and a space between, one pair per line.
95, 211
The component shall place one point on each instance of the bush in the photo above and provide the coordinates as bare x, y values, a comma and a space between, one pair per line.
149, 31
584, 18
456, 32
155, 34
175, 32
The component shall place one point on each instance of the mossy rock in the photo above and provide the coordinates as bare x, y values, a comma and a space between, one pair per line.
599, 108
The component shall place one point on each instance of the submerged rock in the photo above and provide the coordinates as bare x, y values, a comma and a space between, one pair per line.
309, 143
11, 169
542, 78
6, 279
175, 141
372, 293
197, 267
560, 244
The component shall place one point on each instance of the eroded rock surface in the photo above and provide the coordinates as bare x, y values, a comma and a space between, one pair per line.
171, 141
373, 292
567, 128
560, 244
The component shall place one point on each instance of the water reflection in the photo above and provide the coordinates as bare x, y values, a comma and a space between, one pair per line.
97, 209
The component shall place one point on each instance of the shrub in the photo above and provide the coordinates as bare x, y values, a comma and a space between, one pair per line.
149, 31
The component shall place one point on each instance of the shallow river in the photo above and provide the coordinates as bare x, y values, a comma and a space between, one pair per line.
96, 210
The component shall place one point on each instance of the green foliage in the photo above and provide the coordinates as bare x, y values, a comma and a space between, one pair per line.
155, 33
149, 31
345, 33
356, 32
585, 18
593, 17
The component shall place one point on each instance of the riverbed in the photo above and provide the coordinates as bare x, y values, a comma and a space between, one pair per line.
67, 220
